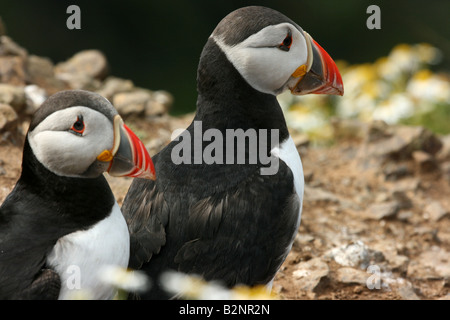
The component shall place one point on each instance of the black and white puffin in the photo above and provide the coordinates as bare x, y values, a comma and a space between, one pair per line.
230, 222
61, 223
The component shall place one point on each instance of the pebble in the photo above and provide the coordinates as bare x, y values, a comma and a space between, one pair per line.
40, 72
385, 210
13, 96
424, 161
431, 264
355, 254
89, 63
435, 211
311, 276
114, 85
35, 96
8, 118
131, 103
351, 276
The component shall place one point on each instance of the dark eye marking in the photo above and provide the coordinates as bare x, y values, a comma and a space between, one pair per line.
78, 126
287, 42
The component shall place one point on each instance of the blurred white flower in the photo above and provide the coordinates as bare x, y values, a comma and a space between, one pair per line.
425, 85
398, 106
194, 287
124, 279
393, 88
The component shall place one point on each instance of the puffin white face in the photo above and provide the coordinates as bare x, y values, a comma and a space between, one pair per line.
68, 141
269, 59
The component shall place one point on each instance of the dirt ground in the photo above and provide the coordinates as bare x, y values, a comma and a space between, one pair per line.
369, 229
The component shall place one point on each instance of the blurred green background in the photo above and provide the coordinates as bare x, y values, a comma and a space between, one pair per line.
157, 44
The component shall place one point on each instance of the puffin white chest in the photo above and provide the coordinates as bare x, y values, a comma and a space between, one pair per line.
287, 151
79, 257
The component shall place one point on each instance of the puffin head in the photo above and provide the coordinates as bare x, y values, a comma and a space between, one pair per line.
273, 54
77, 133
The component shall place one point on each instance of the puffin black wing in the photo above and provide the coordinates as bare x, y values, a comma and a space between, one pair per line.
237, 238
229, 223
46, 286
146, 216
20, 277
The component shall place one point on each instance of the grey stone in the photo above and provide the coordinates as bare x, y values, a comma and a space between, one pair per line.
351, 276
114, 85
131, 103
355, 254
12, 70
380, 211
444, 153
13, 96
431, 264
311, 276
424, 161
159, 103
9, 48
88, 63
435, 211
40, 72
35, 96
407, 292
319, 195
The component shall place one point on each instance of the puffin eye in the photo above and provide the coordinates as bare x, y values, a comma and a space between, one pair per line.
287, 42
78, 126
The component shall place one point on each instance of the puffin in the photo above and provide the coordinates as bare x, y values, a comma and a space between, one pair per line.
61, 223
217, 210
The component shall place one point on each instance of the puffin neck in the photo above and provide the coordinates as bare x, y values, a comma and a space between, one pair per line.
227, 101
85, 200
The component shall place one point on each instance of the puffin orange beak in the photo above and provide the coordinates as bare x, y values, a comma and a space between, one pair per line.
320, 75
128, 157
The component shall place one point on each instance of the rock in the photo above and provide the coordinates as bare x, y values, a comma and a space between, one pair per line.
435, 211
348, 129
380, 211
40, 72
159, 104
407, 292
13, 96
394, 171
12, 70
444, 153
131, 103
402, 143
319, 195
431, 264
396, 262
445, 168
113, 85
35, 96
8, 118
403, 201
9, 48
424, 161
311, 276
88, 63
378, 130
416, 138
351, 276
355, 254
301, 140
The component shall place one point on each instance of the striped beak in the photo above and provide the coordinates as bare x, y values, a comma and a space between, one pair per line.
128, 157
319, 75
